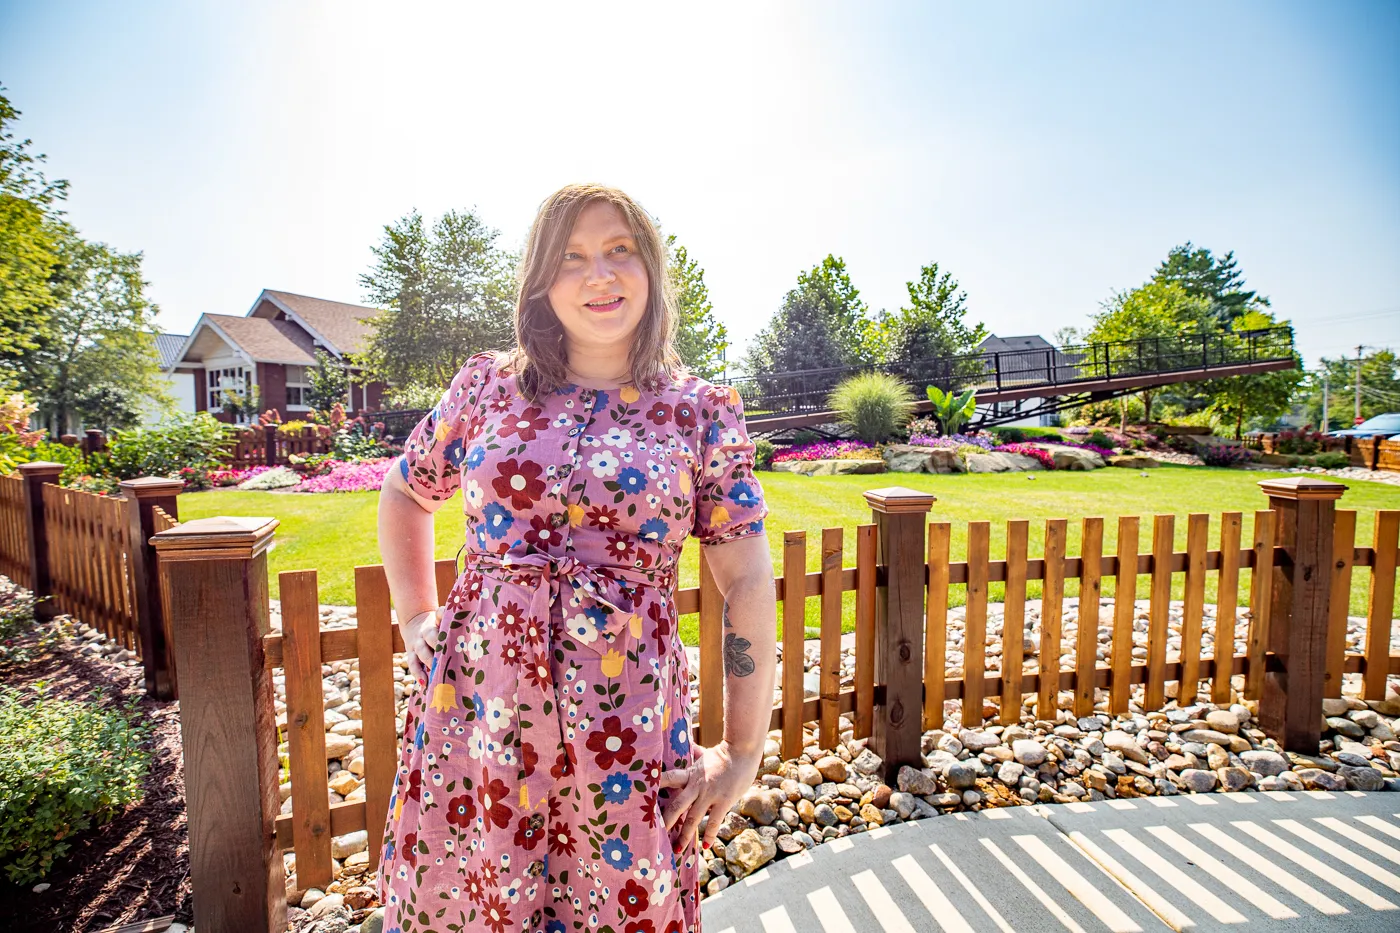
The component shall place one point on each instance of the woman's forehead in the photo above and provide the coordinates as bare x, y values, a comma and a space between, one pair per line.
600, 221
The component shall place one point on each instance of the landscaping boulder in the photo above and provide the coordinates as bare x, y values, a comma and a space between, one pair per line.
1132, 462
1072, 458
908, 458
944, 460
990, 463
829, 467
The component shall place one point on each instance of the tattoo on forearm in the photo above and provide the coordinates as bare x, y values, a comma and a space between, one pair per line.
737, 662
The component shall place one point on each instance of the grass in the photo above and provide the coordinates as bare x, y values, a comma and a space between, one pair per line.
333, 533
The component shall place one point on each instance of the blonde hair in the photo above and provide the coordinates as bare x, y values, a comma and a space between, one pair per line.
539, 359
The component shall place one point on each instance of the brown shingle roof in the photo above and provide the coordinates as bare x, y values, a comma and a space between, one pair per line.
342, 324
267, 341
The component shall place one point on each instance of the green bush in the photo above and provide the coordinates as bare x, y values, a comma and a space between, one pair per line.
64, 767
763, 453
1332, 460
1008, 435
414, 397
16, 618
1100, 439
873, 405
186, 441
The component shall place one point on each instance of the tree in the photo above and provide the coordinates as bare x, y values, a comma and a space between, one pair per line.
447, 294
928, 332
820, 325
100, 332
1154, 310
1262, 395
700, 339
1380, 389
328, 382
1216, 279
30, 233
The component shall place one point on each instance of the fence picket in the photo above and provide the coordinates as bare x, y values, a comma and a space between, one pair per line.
830, 661
1124, 595
794, 614
1343, 556
1052, 598
936, 630
1260, 599
1382, 604
1013, 620
865, 630
1193, 607
379, 730
306, 728
1227, 595
1163, 528
975, 623
1087, 636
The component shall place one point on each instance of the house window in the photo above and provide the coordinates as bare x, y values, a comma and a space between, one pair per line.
233, 378
298, 387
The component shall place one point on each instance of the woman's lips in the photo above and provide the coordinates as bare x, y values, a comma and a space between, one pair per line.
609, 305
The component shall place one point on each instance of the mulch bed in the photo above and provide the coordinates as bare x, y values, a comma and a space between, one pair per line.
135, 867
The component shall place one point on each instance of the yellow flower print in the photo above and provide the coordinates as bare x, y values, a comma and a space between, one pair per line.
635, 623
665, 717
629, 394
444, 698
398, 807
442, 431
612, 664
685, 482
719, 516
733, 396
575, 514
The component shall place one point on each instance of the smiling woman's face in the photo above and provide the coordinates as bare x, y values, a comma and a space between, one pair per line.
600, 293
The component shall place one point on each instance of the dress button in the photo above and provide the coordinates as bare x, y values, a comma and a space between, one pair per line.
535, 868
558, 519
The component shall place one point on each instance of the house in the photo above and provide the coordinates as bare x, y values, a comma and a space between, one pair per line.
1026, 359
270, 351
178, 385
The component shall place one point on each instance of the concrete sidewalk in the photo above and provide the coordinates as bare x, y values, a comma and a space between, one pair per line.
1266, 861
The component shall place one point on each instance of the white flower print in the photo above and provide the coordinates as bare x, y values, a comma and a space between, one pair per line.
717, 463
498, 714
653, 501
473, 494
604, 463
643, 871
664, 485
507, 757
617, 437
510, 890
476, 647
731, 438
662, 885
582, 628
476, 744
645, 720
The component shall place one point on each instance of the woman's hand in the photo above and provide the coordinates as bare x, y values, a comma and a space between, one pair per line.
415, 642
713, 782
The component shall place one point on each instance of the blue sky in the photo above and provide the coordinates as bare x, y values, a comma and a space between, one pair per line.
1046, 154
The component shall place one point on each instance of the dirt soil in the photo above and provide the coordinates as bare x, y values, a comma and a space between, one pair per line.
135, 867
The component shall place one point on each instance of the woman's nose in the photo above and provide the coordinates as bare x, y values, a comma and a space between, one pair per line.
600, 270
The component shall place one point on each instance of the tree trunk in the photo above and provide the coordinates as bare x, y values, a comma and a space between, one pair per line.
1123, 415
1239, 424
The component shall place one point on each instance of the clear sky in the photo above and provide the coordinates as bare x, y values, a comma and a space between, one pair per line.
1045, 153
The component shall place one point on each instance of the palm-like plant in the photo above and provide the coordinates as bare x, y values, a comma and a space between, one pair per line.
952, 411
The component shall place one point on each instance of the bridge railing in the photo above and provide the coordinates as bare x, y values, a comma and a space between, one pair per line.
1050, 368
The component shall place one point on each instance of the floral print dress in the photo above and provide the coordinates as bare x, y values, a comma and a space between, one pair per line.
527, 789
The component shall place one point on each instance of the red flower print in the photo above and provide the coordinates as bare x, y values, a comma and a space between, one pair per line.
529, 832
529, 758
493, 796
475, 886
415, 784
659, 414
488, 874
685, 414
561, 840
650, 813
556, 808
461, 811
653, 772
542, 533
657, 614
525, 424
718, 394
673, 927
566, 762
519, 482
633, 897
534, 633
619, 547
495, 914
410, 849
512, 620
472, 584
612, 743
511, 654
501, 402
639, 926
602, 516
537, 672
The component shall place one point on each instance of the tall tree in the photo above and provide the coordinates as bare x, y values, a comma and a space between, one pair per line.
100, 333
448, 292
820, 324
30, 236
700, 339
928, 330
1380, 389
1217, 279
1262, 396
328, 382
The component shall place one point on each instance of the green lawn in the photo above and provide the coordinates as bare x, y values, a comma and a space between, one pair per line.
334, 533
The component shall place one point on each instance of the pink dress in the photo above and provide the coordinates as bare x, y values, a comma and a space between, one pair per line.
527, 790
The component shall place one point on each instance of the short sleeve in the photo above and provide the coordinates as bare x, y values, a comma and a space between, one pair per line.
431, 462
728, 499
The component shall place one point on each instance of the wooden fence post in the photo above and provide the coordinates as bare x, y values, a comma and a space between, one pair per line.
93, 441
270, 444
1290, 708
35, 476
142, 496
214, 572
899, 624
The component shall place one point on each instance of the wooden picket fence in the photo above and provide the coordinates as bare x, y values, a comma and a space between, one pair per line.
90, 561
14, 531
261, 445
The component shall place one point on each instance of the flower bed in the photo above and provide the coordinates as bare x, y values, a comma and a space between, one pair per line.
953, 440
344, 476
828, 450
1046, 459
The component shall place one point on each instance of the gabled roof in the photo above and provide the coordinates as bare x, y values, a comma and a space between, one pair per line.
168, 347
257, 339
995, 344
337, 325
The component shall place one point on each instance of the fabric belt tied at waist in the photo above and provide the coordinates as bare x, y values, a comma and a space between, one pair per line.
598, 606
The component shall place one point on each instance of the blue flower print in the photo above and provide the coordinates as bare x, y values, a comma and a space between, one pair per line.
432, 671
479, 705
476, 456
616, 854
498, 520
632, 480
602, 401
680, 736
654, 529
617, 788
756, 527
403, 467
452, 453
555, 926
418, 736
742, 494
712, 435
597, 616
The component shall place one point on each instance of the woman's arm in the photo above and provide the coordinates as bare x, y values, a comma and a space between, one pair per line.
721, 774
406, 547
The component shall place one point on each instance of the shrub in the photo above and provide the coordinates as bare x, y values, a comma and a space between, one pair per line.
416, 397
311, 464
1100, 439
1225, 456
966, 450
293, 428
874, 405
763, 453
197, 441
1304, 442
952, 411
1009, 435
275, 478
64, 766
923, 425
16, 618
1332, 460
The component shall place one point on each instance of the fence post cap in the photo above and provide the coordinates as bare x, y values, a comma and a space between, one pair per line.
898, 499
42, 468
146, 487
1302, 487
219, 538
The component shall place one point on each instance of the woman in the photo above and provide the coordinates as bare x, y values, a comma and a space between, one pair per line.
547, 780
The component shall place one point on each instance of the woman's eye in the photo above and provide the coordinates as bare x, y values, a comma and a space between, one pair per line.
623, 248
568, 256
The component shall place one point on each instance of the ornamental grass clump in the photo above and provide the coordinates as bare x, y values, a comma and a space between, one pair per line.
65, 766
873, 405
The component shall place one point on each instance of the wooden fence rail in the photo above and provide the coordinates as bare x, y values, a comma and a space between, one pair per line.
903, 580
14, 530
89, 548
261, 445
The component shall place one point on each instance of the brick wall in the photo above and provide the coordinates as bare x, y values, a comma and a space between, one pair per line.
272, 381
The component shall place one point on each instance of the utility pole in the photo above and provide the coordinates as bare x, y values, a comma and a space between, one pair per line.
1326, 422
1358, 384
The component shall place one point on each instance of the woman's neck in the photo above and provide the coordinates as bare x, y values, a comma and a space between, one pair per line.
598, 368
